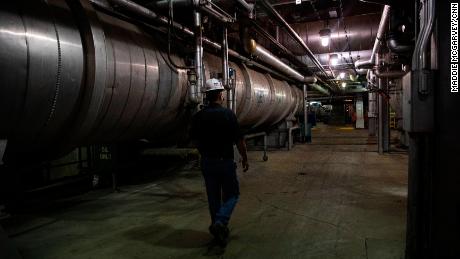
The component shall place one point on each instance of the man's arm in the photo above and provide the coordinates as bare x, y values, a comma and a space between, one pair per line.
241, 146
238, 139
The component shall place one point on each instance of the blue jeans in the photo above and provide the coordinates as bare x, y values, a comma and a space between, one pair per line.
222, 187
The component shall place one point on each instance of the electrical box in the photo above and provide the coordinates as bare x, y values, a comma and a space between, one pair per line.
418, 106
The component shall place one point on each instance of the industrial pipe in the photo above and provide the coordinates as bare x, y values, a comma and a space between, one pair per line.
225, 70
248, 7
389, 74
120, 54
381, 2
395, 46
378, 38
148, 14
320, 89
293, 34
267, 57
164, 4
195, 89
425, 37
203, 6
419, 57
225, 58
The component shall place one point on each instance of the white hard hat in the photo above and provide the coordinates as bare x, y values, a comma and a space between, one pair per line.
213, 84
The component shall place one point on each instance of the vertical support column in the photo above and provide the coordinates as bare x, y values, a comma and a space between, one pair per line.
307, 129
372, 114
3, 143
384, 119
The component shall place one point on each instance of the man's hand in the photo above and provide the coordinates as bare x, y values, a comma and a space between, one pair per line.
245, 164
241, 145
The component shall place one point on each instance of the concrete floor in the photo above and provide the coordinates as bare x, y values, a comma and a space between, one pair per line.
334, 198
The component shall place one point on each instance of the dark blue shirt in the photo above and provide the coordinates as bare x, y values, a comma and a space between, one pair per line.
216, 129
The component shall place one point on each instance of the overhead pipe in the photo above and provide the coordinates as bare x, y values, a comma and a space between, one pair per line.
289, 55
378, 38
320, 89
164, 4
249, 7
389, 74
267, 57
293, 34
381, 2
203, 6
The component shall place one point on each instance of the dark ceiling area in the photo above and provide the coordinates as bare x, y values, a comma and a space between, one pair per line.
309, 11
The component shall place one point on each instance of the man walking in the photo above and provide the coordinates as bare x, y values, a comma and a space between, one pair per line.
216, 130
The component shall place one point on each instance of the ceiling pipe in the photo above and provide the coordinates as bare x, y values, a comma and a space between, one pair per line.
382, 27
204, 6
381, 2
267, 57
320, 89
249, 7
145, 13
272, 12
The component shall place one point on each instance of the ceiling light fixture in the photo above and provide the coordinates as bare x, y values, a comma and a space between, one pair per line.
344, 84
342, 75
325, 36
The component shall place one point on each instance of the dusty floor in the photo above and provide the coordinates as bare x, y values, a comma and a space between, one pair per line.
334, 198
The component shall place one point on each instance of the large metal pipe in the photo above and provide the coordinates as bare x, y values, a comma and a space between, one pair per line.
122, 77
293, 34
382, 27
267, 57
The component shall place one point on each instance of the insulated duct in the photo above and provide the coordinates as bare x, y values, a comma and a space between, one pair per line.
74, 76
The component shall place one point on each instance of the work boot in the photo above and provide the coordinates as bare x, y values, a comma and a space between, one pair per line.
213, 230
222, 233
